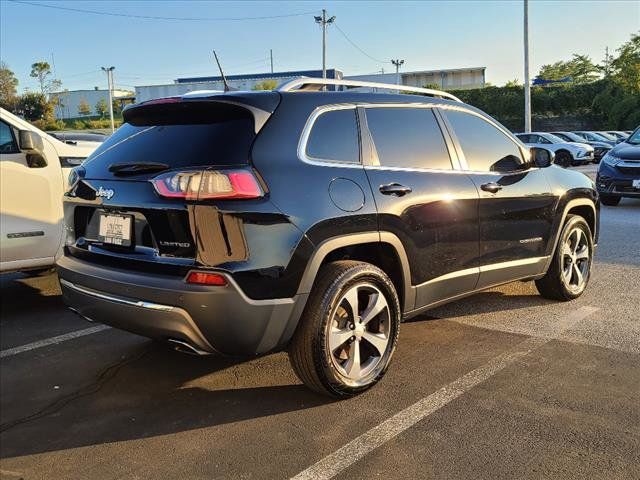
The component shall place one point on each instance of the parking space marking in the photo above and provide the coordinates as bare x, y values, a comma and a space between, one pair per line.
9, 352
353, 451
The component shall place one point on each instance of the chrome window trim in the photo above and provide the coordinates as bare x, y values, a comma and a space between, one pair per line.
306, 132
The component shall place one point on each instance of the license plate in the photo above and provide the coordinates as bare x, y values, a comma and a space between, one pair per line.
636, 183
115, 229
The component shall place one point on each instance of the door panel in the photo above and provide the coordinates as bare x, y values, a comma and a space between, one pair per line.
516, 208
31, 200
429, 206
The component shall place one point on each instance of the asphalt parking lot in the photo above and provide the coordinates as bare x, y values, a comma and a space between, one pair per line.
504, 384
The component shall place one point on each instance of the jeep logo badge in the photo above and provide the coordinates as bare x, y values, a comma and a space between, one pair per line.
105, 193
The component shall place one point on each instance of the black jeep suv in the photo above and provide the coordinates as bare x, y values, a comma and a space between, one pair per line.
313, 221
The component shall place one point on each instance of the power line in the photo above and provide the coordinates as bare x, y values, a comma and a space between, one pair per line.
357, 47
153, 17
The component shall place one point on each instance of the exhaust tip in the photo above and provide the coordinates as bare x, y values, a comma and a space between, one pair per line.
184, 347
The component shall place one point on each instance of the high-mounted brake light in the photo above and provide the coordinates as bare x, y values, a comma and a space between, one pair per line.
208, 185
206, 278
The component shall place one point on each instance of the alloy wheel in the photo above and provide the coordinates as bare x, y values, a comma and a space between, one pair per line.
575, 260
359, 332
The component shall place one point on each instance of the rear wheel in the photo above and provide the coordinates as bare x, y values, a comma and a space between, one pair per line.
348, 331
609, 200
570, 268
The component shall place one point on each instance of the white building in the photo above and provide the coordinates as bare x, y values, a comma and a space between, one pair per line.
69, 101
240, 82
451, 79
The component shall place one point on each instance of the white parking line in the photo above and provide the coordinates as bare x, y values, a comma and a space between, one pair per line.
9, 352
353, 451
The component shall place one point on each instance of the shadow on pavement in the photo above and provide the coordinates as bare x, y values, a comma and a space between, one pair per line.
150, 396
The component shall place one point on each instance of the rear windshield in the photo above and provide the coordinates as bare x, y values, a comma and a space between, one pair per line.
179, 136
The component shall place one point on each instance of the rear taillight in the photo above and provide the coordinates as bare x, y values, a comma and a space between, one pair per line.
206, 278
208, 184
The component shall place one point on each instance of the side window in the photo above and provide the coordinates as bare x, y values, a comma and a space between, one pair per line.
334, 137
408, 137
541, 139
485, 147
524, 138
7, 141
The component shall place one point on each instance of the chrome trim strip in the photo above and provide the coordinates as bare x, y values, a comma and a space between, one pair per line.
306, 131
103, 296
295, 84
484, 268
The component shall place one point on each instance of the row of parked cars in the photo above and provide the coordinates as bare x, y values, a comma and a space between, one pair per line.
575, 148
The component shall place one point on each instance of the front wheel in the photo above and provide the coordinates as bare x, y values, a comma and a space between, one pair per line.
348, 331
570, 268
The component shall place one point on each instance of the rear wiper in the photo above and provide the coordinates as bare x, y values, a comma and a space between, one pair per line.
133, 168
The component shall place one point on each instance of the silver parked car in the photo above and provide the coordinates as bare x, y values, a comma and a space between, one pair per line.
567, 153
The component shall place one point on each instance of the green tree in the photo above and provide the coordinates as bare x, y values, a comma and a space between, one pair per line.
42, 72
8, 84
34, 106
432, 86
266, 85
625, 68
102, 107
580, 68
513, 83
84, 108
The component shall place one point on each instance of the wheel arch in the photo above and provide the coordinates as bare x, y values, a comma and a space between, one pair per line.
586, 208
383, 249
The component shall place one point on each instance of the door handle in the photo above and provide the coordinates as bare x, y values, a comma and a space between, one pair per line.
491, 187
394, 189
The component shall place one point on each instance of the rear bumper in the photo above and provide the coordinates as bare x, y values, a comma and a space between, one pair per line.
209, 319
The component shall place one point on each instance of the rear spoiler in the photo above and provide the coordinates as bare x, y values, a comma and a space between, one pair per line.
260, 105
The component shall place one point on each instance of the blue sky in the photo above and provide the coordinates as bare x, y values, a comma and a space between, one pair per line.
426, 34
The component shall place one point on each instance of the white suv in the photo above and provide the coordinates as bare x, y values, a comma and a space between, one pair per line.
566, 153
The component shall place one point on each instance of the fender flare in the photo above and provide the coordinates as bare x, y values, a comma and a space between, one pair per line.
333, 243
576, 202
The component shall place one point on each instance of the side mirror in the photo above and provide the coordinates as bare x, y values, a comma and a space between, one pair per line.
541, 157
29, 141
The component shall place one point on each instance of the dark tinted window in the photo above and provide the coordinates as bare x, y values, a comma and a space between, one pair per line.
7, 142
408, 137
525, 138
192, 135
334, 137
482, 143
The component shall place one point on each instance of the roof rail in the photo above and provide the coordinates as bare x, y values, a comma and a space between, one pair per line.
316, 84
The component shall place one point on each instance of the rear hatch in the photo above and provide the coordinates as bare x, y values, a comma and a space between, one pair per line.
132, 204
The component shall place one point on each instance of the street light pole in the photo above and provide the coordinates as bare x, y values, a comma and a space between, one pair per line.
398, 63
527, 82
109, 71
324, 21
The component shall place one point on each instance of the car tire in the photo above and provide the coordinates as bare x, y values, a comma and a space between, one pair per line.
335, 352
610, 200
570, 269
563, 159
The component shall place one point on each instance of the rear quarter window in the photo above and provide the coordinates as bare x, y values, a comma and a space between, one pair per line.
334, 137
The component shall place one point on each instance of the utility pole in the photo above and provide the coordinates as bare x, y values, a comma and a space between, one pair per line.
324, 21
527, 82
398, 63
109, 71
271, 56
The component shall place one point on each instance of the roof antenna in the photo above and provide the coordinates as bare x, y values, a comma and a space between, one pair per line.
227, 88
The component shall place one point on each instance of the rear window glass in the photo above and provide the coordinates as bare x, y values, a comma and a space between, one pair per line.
334, 137
408, 138
192, 135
